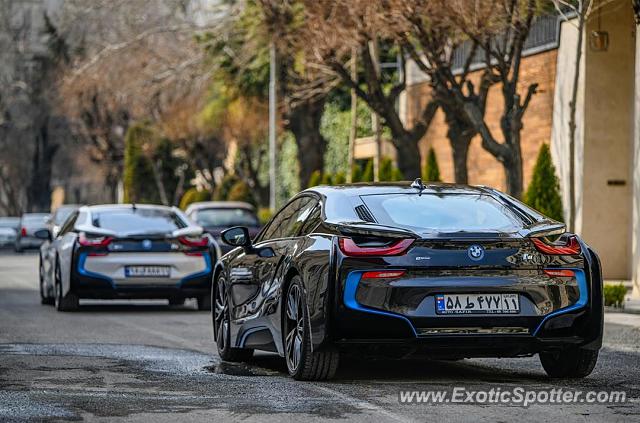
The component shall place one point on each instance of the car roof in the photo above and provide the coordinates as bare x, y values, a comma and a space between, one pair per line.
372, 188
201, 205
115, 207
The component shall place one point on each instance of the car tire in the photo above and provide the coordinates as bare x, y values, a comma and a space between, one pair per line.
67, 302
569, 363
302, 362
221, 318
204, 302
45, 299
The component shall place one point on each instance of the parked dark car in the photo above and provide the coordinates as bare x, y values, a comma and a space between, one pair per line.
30, 223
437, 271
216, 216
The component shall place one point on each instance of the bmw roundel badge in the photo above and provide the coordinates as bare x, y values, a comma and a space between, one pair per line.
146, 244
475, 252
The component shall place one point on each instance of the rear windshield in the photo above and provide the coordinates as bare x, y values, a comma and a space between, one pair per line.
34, 218
226, 217
443, 213
138, 221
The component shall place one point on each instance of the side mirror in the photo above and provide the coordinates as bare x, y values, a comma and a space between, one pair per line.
43, 234
238, 236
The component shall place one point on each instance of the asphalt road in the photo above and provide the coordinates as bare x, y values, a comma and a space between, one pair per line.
148, 362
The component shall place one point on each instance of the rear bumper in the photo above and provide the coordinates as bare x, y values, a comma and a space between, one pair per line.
396, 327
102, 277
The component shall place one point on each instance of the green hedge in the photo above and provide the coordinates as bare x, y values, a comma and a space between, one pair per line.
543, 193
614, 295
193, 195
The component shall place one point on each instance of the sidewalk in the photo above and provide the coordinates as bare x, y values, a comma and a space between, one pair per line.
627, 319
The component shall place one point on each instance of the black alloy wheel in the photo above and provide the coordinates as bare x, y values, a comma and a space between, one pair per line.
302, 362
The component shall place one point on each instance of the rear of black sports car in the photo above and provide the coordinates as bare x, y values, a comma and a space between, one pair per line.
466, 275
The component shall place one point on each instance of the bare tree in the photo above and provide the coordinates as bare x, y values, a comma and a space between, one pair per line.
333, 30
499, 29
30, 132
132, 60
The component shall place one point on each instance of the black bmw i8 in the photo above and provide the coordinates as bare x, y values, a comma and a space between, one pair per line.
437, 271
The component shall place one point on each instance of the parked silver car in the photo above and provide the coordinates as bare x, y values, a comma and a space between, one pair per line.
126, 251
30, 223
9, 230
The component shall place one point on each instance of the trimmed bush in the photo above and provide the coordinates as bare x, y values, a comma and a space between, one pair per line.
367, 173
193, 195
138, 179
264, 214
326, 179
614, 295
222, 191
315, 179
339, 178
543, 193
431, 170
388, 171
241, 191
356, 173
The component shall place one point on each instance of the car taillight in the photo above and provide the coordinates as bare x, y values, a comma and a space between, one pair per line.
559, 273
384, 274
201, 241
350, 248
571, 248
101, 241
23, 231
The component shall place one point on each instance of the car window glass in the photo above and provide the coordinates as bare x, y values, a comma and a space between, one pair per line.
226, 217
312, 221
137, 221
289, 220
68, 224
442, 213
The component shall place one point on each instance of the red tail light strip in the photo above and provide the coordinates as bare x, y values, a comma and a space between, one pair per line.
384, 274
94, 242
194, 242
350, 248
559, 273
571, 248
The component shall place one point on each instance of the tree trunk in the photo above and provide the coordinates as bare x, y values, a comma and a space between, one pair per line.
408, 157
304, 123
513, 163
582, 8
460, 136
39, 192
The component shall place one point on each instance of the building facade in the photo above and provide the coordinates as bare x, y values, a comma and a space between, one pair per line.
607, 144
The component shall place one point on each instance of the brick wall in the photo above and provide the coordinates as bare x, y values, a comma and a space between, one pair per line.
483, 168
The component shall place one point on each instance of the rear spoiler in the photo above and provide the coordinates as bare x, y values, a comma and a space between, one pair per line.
362, 228
544, 229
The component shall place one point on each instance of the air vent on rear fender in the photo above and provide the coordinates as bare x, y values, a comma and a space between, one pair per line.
364, 214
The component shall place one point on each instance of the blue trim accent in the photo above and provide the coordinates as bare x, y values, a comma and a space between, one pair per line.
205, 272
351, 286
84, 272
582, 300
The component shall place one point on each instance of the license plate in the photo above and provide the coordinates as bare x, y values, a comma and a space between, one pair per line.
147, 271
478, 304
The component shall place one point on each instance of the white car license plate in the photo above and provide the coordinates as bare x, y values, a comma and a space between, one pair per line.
147, 271
478, 304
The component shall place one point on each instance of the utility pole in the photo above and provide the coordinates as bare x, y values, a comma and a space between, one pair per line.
353, 131
272, 126
377, 129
